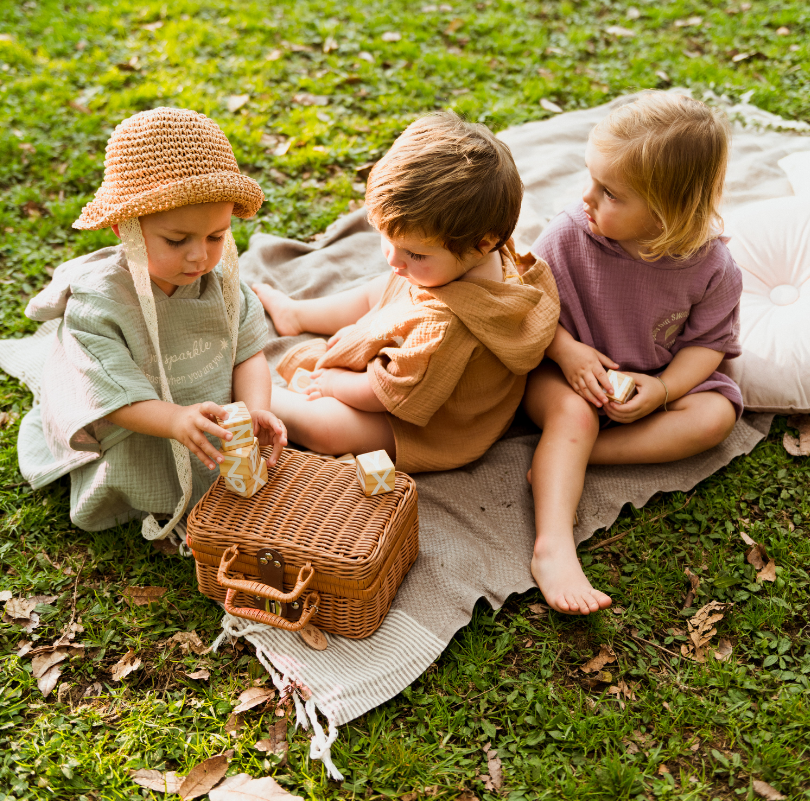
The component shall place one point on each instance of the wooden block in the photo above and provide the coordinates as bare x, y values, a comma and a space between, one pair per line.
623, 386
240, 424
244, 470
300, 381
375, 472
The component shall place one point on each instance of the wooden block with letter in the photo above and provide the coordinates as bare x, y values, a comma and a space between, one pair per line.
244, 470
300, 381
375, 472
623, 386
240, 424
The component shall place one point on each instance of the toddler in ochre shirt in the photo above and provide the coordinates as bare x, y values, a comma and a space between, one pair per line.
429, 361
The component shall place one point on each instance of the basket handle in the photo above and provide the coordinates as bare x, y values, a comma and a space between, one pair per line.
305, 576
268, 618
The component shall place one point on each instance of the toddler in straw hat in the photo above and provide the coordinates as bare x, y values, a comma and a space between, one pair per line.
155, 334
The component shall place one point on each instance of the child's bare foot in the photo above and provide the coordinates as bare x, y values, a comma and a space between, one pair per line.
281, 309
565, 587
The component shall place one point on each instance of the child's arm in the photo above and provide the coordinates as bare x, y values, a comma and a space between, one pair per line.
252, 385
353, 389
186, 424
320, 315
582, 366
688, 368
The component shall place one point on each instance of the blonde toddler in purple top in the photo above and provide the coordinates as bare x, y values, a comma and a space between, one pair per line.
646, 287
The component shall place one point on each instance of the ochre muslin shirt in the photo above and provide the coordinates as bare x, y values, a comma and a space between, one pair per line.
449, 363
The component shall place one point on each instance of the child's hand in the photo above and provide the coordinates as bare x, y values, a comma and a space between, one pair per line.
191, 423
584, 369
337, 336
270, 431
322, 383
650, 395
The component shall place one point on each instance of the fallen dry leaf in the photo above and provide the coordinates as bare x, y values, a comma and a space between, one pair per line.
141, 596
618, 30
49, 679
157, 780
313, 637
165, 547
723, 651
600, 677
549, 106
768, 573
629, 746
21, 608
701, 630
249, 789
276, 743
308, 99
694, 582
746, 539
330, 44
126, 665
5, 595
391, 36
204, 777
783, 31
539, 609
189, 641
234, 722
765, 790
468, 795
153, 26
235, 102
25, 647
253, 696
493, 778
692, 22
756, 556
201, 674
42, 663
93, 690
604, 657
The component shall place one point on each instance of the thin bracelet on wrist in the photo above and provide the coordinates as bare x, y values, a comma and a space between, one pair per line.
666, 391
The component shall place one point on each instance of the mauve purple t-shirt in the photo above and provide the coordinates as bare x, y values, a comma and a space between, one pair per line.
639, 313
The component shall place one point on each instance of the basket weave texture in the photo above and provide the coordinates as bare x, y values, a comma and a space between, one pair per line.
313, 511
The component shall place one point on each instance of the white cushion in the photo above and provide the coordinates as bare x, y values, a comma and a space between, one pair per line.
770, 240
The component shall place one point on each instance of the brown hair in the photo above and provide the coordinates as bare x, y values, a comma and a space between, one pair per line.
673, 152
448, 179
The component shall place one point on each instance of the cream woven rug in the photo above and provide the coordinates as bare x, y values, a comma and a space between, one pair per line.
476, 526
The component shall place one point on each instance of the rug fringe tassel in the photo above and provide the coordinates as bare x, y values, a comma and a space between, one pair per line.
305, 712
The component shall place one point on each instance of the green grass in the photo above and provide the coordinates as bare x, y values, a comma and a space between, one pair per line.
68, 75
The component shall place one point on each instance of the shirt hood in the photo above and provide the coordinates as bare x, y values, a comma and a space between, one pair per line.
51, 302
515, 318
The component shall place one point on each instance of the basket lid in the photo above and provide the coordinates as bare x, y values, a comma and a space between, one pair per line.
313, 510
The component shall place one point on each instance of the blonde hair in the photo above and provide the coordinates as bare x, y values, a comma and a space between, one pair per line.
673, 152
448, 179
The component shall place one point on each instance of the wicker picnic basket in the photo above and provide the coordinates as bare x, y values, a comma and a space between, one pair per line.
308, 546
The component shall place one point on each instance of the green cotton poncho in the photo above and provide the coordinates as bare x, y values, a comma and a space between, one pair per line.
101, 360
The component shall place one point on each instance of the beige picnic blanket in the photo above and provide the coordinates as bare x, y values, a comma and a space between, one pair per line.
476, 523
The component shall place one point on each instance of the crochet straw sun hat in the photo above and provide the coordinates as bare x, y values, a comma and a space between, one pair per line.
165, 158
